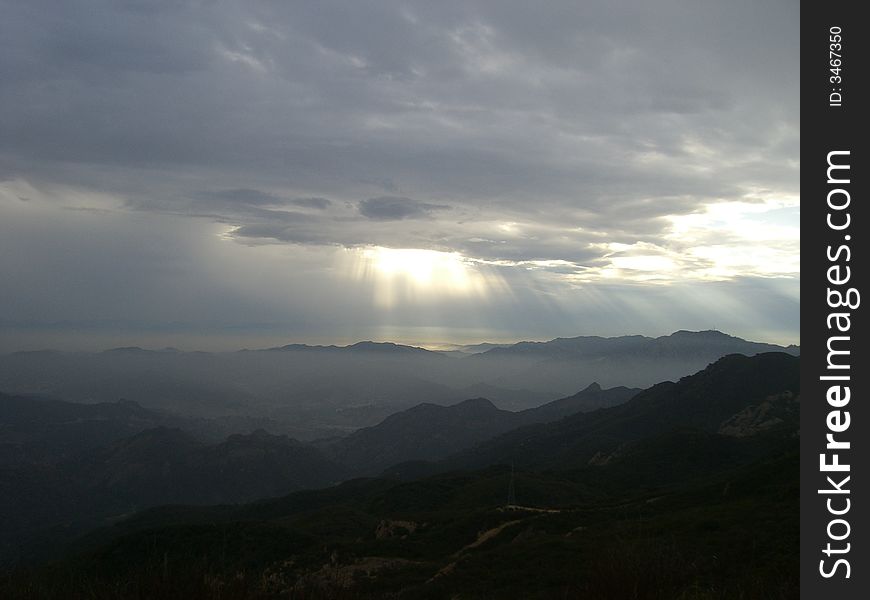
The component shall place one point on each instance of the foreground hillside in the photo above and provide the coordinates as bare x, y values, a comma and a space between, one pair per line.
692, 493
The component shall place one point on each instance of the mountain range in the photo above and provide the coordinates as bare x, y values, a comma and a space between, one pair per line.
76, 465
688, 489
310, 392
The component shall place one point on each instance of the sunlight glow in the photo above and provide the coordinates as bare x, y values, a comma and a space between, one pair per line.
417, 275
424, 267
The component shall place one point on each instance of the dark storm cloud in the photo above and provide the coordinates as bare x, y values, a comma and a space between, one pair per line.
248, 196
246, 205
280, 232
471, 101
318, 203
394, 208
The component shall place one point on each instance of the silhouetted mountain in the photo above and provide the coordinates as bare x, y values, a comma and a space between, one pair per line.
366, 346
389, 347
706, 345
33, 412
163, 465
132, 350
167, 466
591, 398
298, 348
635, 361
426, 431
505, 398
34, 429
430, 431
482, 347
706, 401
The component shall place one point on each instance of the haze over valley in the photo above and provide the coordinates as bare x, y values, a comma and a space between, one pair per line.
314, 391
214, 428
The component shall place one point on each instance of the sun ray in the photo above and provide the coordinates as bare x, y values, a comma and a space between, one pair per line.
418, 275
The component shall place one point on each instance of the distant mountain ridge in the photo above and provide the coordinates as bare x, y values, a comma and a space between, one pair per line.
679, 343
634, 361
364, 346
318, 389
582, 343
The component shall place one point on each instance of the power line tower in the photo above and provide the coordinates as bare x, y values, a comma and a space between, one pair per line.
512, 493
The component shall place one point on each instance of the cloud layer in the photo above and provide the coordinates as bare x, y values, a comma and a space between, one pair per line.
561, 151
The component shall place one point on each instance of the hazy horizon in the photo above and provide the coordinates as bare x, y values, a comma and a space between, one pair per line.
230, 343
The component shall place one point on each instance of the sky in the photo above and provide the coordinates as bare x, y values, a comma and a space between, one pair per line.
218, 175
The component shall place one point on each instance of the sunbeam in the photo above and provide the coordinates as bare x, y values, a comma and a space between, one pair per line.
414, 275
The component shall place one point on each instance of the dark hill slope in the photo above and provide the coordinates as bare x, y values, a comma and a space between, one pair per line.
36, 429
432, 432
45, 504
704, 401
732, 532
591, 398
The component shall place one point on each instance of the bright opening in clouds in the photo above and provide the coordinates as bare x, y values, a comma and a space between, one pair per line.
228, 174
414, 276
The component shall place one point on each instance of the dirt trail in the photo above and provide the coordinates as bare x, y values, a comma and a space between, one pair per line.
481, 538
487, 535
